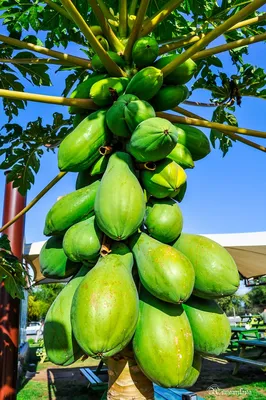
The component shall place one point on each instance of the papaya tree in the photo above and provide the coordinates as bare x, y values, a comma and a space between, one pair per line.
143, 294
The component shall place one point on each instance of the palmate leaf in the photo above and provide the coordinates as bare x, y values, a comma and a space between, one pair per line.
12, 272
23, 148
223, 117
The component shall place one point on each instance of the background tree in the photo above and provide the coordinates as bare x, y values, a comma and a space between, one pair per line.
40, 300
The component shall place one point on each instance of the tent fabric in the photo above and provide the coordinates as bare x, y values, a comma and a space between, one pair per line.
247, 249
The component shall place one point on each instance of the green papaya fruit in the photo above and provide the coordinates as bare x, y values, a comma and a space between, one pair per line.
82, 91
210, 326
84, 178
82, 241
215, 269
165, 273
165, 181
106, 91
182, 74
103, 42
105, 307
60, 344
99, 166
119, 205
146, 83
137, 111
182, 156
152, 140
181, 193
194, 371
163, 343
97, 64
70, 209
195, 141
145, 51
164, 220
169, 97
115, 116
96, 30
54, 262
80, 149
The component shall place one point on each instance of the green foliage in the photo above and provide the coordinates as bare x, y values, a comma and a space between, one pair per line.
41, 299
257, 298
12, 272
22, 18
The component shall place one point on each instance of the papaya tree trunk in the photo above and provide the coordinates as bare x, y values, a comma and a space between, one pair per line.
126, 380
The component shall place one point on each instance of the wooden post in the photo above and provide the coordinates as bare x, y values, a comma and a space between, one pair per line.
14, 202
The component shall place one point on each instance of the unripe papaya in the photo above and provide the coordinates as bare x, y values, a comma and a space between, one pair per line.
119, 205
146, 83
215, 269
106, 91
165, 181
78, 119
182, 74
169, 97
60, 344
70, 209
96, 30
194, 371
82, 241
137, 111
82, 91
210, 326
195, 140
105, 307
182, 156
164, 220
97, 64
54, 262
103, 42
174, 281
152, 140
181, 193
90, 175
163, 343
115, 116
80, 149
145, 51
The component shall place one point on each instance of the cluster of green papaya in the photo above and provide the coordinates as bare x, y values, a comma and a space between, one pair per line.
138, 279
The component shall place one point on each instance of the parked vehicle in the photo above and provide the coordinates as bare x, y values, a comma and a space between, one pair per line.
33, 328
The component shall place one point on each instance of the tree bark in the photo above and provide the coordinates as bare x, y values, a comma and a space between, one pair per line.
126, 380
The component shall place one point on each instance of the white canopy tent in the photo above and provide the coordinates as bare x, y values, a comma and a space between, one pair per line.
247, 249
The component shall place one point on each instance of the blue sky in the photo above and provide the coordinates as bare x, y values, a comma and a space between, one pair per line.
224, 194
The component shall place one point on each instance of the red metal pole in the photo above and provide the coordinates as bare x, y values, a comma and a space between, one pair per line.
14, 202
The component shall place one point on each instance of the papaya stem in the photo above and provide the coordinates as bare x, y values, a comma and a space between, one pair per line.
149, 166
163, 13
112, 68
59, 9
229, 46
213, 125
192, 37
212, 35
133, 6
122, 18
113, 40
82, 62
136, 28
229, 134
106, 246
87, 104
105, 150
34, 201
105, 10
34, 61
